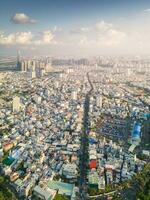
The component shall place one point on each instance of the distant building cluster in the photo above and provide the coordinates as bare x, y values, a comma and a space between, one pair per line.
35, 68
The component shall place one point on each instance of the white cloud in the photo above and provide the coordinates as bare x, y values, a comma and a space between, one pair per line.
103, 34
84, 41
99, 34
57, 29
81, 30
24, 38
102, 26
46, 37
21, 18
115, 37
102, 41
27, 38
16, 38
147, 10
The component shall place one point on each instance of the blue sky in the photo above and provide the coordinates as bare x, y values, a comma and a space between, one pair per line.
115, 18
66, 12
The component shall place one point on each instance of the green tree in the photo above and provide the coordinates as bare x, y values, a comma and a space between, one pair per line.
1, 180
60, 197
1, 196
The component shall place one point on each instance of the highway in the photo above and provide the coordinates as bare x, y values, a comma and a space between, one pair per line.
84, 157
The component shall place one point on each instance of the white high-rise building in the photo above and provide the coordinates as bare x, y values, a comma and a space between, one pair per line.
42, 72
16, 104
26, 65
74, 95
31, 74
91, 108
99, 101
38, 99
33, 65
22, 66
18, 60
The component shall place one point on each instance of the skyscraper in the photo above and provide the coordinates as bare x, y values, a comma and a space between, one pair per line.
18, 61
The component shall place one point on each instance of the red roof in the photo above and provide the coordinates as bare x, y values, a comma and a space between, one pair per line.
93, 164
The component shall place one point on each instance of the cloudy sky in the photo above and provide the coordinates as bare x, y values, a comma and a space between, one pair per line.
75, 27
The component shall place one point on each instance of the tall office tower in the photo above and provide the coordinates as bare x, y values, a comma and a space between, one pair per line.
16, 104
33, 65
18, 61
99, 101
33, 74
41, 72
29, 64
22, 66
26, 65
42, 65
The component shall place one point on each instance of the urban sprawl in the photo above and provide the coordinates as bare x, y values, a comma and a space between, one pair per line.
77, 128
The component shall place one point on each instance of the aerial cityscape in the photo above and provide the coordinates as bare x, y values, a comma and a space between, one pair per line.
75, 100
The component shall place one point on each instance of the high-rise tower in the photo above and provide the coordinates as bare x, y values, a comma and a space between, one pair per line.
18, 61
